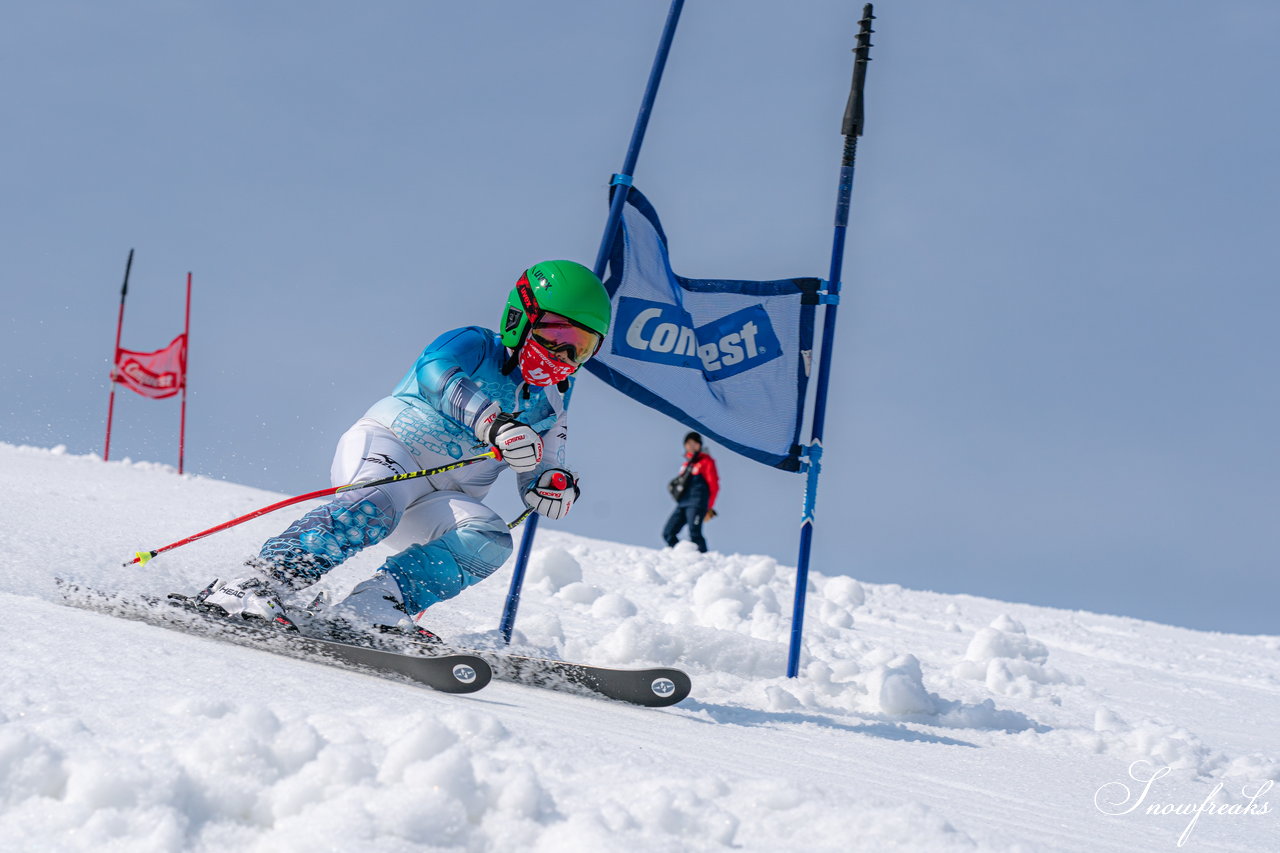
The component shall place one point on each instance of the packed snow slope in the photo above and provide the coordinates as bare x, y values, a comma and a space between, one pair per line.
921, 721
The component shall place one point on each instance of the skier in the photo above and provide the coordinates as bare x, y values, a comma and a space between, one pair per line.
695, 489
471, 389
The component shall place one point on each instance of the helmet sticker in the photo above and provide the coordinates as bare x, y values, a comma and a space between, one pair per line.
512, 321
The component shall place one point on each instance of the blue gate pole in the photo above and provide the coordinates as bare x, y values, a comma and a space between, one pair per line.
852, 129
621, 184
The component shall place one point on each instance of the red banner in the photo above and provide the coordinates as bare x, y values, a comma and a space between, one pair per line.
153, 374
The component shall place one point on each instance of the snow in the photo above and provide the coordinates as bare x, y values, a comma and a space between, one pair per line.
920, 722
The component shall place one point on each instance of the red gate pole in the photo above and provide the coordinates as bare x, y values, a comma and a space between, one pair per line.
186, 352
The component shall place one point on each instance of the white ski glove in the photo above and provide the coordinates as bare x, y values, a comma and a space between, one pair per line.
553, 493
516, 442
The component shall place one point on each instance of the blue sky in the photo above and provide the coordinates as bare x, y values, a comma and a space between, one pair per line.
1055, 378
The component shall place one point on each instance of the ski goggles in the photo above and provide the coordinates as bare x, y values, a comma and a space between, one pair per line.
565, 339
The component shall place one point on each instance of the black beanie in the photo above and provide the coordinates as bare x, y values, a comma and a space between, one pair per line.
693, 436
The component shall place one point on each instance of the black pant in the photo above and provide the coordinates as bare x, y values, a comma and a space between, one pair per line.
690, 515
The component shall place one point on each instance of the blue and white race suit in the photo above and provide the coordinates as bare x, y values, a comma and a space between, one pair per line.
447, 539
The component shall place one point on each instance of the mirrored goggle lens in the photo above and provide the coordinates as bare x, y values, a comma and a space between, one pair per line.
565, 340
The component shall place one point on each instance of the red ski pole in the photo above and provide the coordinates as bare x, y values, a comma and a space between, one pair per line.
141, 557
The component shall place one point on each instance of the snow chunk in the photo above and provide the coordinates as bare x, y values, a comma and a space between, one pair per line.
635, 639
1005, 622
984, 715
781, 699
552, 569
844, 591
834, 616
724, 614
1013, 677
1107, 720
898, 688
30, 766
995, 642
1253, 767
760, 571
543, 628
579, 593
611, 605
1009, 662
713, 586
685, 550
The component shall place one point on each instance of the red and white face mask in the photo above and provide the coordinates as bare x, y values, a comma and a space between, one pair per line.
539, 367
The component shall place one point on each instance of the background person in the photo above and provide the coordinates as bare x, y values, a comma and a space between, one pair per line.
695, 489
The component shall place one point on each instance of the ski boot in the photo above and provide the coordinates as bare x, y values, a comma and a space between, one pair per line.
251, 596
376, 608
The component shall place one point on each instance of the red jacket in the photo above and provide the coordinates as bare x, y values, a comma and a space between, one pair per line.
703, 480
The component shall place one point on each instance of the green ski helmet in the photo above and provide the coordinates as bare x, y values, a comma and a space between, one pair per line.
566, 288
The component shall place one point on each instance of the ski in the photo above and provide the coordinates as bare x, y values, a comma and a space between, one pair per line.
650, 687
445, 668
453, 672
655, 687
